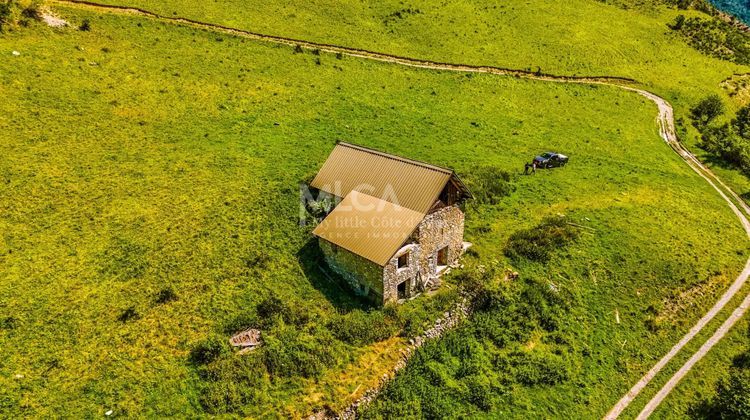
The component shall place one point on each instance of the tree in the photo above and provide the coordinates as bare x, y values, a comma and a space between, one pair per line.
741, 122
732, 399
733, 394
707, 110
679, 22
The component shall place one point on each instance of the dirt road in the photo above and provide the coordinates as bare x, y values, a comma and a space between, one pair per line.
667, 131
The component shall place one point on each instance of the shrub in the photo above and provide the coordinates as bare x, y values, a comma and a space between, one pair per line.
290, 353
539, 368
715, 37
489, 184
741, 122
272, 309
679, 22
208, 350
85, 25
360, 327
543, 305
730, 147
8, 323
733, 395
538, 243
129, 314
243, 321
166, 295
479, 392
707, 110
15, 12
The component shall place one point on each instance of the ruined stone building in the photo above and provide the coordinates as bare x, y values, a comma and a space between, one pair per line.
397, 226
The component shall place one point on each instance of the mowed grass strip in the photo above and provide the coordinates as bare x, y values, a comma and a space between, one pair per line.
143, 155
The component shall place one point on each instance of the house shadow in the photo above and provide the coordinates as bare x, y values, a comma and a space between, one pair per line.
331, 285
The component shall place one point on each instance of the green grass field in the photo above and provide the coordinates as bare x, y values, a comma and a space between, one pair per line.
577, 37
700, 385
142, 155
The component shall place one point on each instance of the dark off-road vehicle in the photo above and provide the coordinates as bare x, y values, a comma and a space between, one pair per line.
550, 160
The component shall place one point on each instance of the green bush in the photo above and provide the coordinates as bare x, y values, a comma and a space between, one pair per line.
272, 309
166, 295
538, 243
8, 323
707, 110
539, 368
18, 12
733, 395
479, 392
679, 22
542, 303
129, 314
489, 184
209, 350
360, 328
290, 353
730, 142
715, 37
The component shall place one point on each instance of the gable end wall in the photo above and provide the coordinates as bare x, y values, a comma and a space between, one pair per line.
444, 227
363, 276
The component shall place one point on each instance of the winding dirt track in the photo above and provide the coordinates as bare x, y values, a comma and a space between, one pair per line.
667, 132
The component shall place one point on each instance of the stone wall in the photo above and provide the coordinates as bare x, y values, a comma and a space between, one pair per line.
393, 276
443, 228
363, 276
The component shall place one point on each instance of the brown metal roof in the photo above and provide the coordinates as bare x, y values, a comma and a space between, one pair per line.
407, 183
368, 226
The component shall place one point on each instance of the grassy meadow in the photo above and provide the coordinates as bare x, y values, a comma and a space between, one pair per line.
578, 37
700, 385
142, 156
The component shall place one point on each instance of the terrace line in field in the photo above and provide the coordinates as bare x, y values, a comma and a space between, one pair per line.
398, 226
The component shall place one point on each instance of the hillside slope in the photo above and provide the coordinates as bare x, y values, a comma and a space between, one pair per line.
146, 155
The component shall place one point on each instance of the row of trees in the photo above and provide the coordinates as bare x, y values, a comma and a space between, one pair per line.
729, 141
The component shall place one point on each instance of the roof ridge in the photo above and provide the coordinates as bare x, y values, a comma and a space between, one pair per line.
396, 157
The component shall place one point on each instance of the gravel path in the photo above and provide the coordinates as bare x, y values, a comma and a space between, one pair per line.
667, 132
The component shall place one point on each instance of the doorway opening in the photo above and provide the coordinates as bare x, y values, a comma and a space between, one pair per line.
402, 290
442, 257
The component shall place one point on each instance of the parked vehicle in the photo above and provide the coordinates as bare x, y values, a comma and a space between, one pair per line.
550, 160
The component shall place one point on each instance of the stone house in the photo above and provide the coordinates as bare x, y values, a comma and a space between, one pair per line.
398, 225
